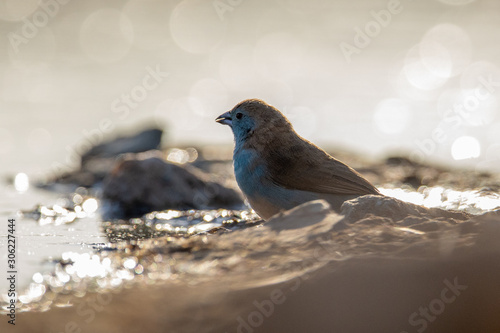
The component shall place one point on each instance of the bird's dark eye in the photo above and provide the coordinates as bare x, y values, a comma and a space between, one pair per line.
239, 115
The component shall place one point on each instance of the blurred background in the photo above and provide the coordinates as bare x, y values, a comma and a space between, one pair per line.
376, 77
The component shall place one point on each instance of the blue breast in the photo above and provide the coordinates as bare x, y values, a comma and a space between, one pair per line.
248, 170
252, 178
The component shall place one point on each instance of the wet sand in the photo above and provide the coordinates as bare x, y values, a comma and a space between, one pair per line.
316, 277
381, 265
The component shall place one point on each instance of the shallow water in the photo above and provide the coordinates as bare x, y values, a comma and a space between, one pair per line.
65, 249
470, 201
64, 240
41, 239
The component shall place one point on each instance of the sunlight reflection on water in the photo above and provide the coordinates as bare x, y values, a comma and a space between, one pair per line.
80, 273
21, 182
471, 201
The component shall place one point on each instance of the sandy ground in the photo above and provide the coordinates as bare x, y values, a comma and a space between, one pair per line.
327, 275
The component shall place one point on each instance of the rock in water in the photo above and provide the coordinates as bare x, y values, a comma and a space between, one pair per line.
140, 185
100, 159
146, 140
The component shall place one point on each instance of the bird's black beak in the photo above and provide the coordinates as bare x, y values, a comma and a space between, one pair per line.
225, 119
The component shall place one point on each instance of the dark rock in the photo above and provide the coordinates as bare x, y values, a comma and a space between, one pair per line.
99, 160
146, 140
141, 184
70, 181
399, 161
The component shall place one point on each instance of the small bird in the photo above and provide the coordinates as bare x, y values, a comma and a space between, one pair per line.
277, 169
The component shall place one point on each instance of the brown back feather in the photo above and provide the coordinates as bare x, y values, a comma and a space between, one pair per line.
295, 163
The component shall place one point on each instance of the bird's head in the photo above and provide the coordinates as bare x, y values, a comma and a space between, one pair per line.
253, 115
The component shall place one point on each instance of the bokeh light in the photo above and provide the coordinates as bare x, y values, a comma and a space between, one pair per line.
182, 156
90, 206
106, 35
472, 201
465, 147
432, 62
21, 182
392, 116
286, 52
37, 278
196, 27
443, 52
419, 71
435, 58
404, 88
87, 265
446, 49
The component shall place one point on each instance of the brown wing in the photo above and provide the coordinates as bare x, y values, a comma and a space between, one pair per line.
308, 168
